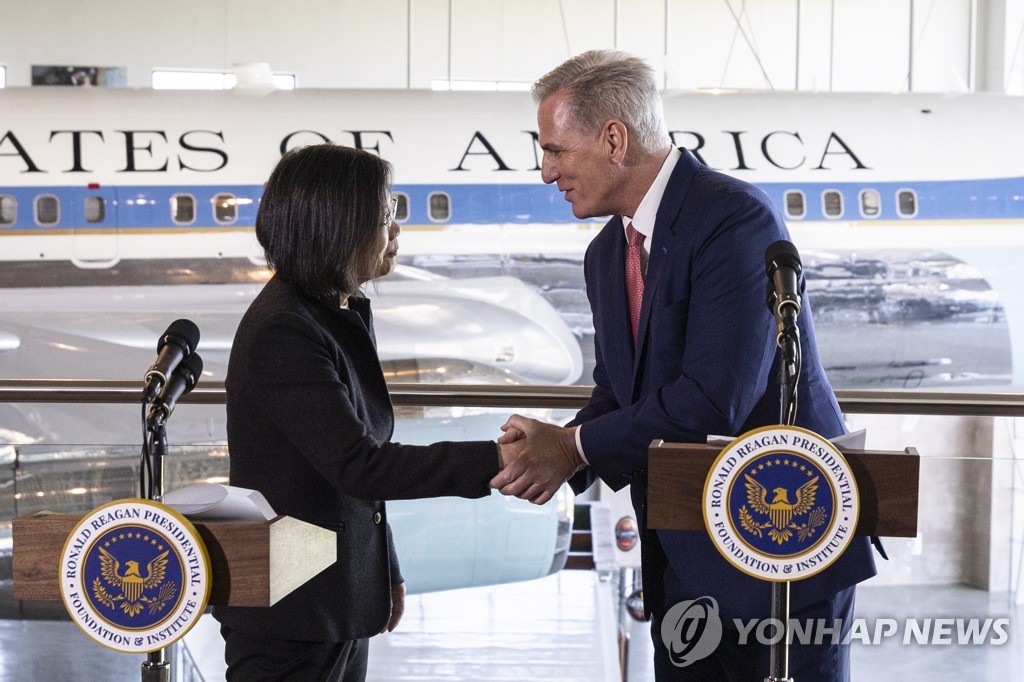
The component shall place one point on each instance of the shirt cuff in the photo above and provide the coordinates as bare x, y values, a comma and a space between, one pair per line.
579, 445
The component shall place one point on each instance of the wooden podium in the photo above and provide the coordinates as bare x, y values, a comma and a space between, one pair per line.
252, 563
887, 482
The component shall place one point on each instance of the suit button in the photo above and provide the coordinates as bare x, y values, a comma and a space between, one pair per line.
376, 518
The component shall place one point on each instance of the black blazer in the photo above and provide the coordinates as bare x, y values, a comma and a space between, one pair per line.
309, 423
707, 364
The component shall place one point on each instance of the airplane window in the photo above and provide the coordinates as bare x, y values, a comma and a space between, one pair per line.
402, 213
795, 204
8, 209
225, 208
832, 203
94, 209
183, 209
906, 203
440, 206
870, 203
47, 209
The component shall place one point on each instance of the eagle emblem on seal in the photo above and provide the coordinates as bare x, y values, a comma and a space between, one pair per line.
780, 512
132, 585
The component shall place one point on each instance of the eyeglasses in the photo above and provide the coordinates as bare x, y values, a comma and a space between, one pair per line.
389, 217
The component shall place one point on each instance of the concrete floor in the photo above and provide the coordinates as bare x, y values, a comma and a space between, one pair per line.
562, 628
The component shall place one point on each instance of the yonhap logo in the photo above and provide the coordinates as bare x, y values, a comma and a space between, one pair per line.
691, 630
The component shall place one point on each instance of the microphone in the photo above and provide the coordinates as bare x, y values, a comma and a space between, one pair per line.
782, 263
183, 380
177, 343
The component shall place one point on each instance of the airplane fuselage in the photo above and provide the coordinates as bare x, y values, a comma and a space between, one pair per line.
95, 177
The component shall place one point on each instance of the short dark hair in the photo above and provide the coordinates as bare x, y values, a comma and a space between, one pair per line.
321, 217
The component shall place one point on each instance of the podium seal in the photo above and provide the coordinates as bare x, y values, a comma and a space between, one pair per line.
781, 503
134, 575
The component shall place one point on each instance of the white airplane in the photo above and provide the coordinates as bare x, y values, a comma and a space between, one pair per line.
906, 208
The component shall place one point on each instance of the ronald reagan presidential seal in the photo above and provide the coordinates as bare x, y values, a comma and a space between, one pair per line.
781, 503
134, 575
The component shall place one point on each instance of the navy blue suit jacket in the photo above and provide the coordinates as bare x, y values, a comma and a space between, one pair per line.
705, 363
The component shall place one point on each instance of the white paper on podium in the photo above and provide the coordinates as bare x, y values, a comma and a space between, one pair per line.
216, 501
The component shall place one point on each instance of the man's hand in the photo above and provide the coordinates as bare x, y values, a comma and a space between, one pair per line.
537, 458
397, 605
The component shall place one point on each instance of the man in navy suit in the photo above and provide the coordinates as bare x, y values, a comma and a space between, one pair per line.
685, 347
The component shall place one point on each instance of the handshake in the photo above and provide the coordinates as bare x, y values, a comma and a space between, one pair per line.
535, 459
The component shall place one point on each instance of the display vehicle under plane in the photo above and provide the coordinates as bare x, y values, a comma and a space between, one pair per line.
123, 209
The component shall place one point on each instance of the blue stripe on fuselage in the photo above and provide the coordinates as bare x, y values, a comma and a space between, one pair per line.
149, 207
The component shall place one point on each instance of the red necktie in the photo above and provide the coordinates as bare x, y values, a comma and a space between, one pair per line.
634, 278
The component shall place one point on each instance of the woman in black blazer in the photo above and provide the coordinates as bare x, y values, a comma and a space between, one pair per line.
309, 418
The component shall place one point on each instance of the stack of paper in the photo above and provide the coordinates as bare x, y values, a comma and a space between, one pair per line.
216, 501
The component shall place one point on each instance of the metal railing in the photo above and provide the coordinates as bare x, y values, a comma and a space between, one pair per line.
480, 395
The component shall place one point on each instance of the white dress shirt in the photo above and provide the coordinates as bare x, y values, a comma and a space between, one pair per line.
643, 222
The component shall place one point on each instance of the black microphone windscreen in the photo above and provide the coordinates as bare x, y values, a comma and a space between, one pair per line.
781, 252
192, 368
183, 380
183, 332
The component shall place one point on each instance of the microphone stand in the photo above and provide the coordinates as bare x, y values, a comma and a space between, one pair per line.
788, 341
156, 667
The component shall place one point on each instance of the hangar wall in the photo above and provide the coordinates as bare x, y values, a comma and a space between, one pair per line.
848, 45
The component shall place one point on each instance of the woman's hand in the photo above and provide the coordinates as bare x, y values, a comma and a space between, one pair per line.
397, 605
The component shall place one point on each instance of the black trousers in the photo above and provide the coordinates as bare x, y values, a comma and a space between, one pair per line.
251, 659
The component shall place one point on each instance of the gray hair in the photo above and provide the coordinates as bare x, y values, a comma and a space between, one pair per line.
605, 84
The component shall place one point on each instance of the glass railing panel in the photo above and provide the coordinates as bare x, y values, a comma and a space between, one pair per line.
950, 598
964, 564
